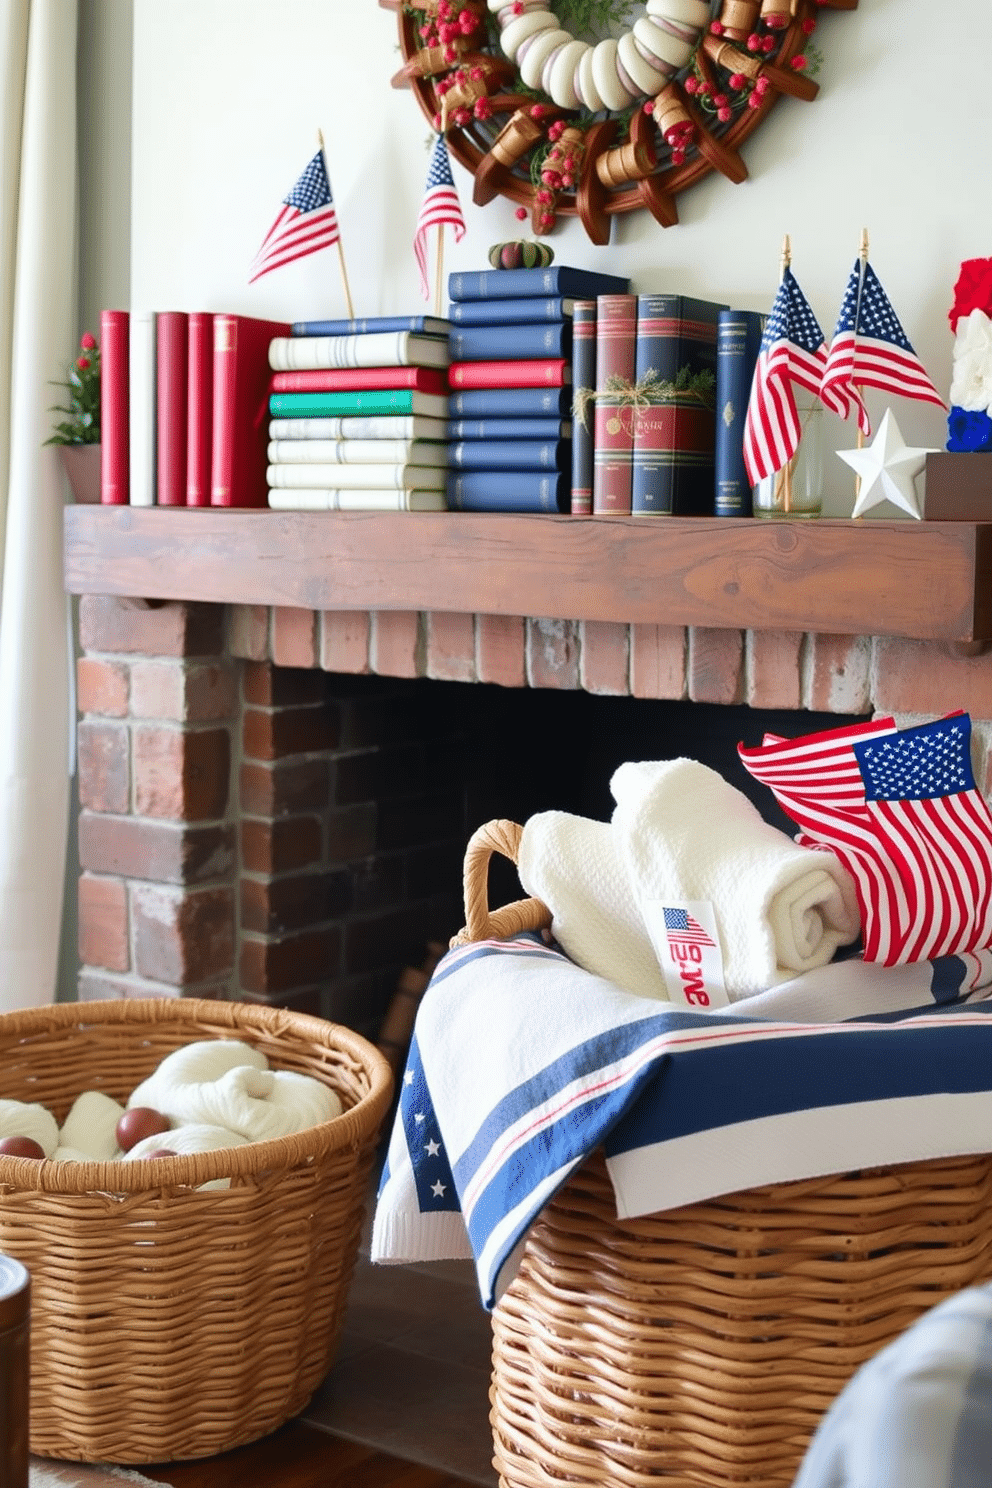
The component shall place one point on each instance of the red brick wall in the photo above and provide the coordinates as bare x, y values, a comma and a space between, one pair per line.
261, 807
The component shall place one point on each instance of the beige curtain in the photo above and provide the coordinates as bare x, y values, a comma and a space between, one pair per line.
37, 340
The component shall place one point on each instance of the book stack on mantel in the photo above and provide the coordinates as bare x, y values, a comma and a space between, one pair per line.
358, 415
194, 415
654, 426
183, 407
510, 376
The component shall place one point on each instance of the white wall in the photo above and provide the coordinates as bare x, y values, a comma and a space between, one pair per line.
229, 94
104, 122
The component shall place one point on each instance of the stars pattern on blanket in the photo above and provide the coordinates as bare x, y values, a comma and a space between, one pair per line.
428, 1158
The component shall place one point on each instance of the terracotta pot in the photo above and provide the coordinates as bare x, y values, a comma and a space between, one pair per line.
81, 463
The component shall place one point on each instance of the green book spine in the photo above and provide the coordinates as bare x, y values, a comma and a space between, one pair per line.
398, 400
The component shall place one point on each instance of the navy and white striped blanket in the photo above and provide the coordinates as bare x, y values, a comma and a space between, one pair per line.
522, 1064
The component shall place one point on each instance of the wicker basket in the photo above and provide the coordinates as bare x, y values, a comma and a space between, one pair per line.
169, 1321
702, 1345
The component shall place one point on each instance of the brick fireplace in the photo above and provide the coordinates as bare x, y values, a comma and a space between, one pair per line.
262, 812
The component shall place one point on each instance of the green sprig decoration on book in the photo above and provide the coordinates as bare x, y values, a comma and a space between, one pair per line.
651, 387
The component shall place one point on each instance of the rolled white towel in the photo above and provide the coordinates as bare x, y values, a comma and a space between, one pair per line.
573, 865
207, 1059
197, 1137
29, 1119
91, 1126
686, 834
260, 1104
74, 1154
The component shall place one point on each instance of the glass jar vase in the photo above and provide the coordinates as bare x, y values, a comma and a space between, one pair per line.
797, 489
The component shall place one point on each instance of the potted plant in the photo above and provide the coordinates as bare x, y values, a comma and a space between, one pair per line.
78, 433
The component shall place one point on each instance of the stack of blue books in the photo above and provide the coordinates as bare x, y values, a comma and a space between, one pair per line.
509, 426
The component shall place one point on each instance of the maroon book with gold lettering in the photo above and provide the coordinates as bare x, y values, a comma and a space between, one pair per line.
170, 395
115, 458
241, 408
199, 407
613, 420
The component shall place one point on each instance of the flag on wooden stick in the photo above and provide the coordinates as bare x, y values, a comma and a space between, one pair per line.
440, 208
305, 223
792, 351
869, 348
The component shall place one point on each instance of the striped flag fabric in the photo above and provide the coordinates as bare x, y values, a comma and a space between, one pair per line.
837, 390
869, 348
440, 207
305, 223
792, 351
901, 810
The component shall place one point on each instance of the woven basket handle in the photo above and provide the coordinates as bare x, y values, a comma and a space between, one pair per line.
523, 914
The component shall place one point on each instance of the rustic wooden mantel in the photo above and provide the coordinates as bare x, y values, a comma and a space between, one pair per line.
924, 580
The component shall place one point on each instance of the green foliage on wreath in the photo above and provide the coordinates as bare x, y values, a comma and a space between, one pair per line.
597, 16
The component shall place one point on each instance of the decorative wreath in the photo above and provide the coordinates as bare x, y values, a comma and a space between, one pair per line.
568, 126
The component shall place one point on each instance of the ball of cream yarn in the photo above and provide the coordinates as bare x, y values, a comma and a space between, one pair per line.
27, 1119
187, 1139
260, 1104
194, 1064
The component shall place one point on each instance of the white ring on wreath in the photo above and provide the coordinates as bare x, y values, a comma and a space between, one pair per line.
610, 74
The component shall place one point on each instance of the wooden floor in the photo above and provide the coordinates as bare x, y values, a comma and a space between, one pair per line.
302, 1456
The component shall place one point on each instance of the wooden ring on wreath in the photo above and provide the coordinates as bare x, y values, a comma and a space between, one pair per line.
730, 61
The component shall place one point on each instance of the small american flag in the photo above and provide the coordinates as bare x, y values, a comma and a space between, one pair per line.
439, 208
792, 351
683, 927
306, 222
870, 349
907, 821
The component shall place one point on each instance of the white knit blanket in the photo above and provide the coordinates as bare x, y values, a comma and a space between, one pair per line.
682, 835
573, 865
687, 835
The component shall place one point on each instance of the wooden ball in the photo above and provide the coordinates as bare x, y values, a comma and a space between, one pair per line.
21, 1147
137, 1123
162, 1152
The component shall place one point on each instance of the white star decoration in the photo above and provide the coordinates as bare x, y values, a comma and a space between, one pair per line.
887, 469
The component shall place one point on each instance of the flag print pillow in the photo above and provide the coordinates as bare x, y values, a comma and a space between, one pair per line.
901, 810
